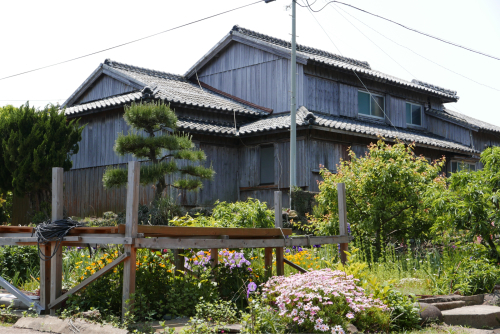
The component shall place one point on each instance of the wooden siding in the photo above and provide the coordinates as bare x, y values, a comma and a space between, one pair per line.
104, 87
321, 95
323, 153
448, 130
253, 75
396, 111
482, 140
348, 100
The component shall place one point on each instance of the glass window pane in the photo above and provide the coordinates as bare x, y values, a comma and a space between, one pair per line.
453, 166
473, 167
416, 114
408, 113
377, 106
267, 165
364, 103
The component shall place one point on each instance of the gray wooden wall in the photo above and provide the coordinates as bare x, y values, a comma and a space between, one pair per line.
253, 75
448, 130
104, 87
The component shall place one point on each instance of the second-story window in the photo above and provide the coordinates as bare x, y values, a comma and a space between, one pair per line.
370, 104
267, 164
413, 114
457, 166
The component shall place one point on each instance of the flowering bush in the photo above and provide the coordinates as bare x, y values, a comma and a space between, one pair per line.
325, 300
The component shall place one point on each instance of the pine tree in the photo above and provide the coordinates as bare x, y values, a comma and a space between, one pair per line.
162, 146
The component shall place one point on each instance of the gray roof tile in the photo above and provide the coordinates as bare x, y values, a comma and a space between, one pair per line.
305, 117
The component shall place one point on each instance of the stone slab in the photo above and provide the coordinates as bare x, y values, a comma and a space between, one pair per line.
67, 326
469, 300
477, 316
450, 305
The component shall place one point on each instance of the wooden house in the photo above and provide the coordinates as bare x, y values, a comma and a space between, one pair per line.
235, 103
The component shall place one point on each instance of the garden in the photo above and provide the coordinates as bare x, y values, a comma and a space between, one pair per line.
416, 233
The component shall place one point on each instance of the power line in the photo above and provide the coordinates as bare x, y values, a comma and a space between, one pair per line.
403, 46
133, 41
402, 25
32, 100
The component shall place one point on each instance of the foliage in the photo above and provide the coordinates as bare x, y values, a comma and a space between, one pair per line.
472, 202
19, 263
251, 213
405, 311
217, 312
385, 189
469, 277
158, 290
262, 318
160, 212
162, 146
320, 300
34, 141
6, 207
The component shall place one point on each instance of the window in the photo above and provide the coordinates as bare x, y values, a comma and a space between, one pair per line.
413, 114
457, 166
370, 104
267, 164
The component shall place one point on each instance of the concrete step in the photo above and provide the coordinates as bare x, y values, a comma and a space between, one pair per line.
477, 316
469, 300
450, 305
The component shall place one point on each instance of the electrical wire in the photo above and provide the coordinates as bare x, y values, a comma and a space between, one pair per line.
133, 41
48, 232
401, 25
416, 53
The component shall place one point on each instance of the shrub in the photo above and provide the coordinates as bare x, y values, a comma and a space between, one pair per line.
405, 311
19, 262
262, 318
321, 300
250, 213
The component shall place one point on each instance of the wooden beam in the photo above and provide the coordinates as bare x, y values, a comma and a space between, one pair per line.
268, 261
89, 280
45, 278
183, 231
280, 264
57, 213
21, 296
183, 243
295, 266
342, 220
131, 221
70, 241
214, 257
179, 261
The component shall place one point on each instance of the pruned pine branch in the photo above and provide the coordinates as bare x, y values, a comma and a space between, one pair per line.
150, 116
192, 155
198, 171
188, 184
114, 177
147, 147
152, 173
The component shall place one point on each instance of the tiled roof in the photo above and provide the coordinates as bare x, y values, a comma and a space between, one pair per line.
170, 87
345, 63
197, 125
305, 117
470, 120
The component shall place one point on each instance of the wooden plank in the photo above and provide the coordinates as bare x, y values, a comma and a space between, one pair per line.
45, 278
295, 266
16, 229
175, 231
342, 219
57, 213
268, 261
214, 257
179, 261
184, 243
21, 296
89, 280
131, 219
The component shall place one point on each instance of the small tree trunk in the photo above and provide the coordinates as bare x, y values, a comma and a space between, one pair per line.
160, 188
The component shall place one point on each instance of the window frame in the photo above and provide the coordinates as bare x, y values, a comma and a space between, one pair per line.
421, 114
260, 164
372, 116
459, 162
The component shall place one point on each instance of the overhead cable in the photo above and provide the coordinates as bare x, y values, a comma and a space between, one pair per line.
133, 41
401, 25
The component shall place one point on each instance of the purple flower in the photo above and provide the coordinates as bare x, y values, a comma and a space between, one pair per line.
348, 228
249, 269
251, 288
287, 250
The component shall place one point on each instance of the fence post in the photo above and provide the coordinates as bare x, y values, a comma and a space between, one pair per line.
131, 220
56, 261
278, 223
342, 220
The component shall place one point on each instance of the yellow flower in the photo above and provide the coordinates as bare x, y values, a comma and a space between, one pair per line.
100, 262
88, 268
109, 260
92, 271
38, 278
81, 278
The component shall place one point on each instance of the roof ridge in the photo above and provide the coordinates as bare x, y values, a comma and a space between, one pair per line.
143, 70
434, 87
300, 48
207, 121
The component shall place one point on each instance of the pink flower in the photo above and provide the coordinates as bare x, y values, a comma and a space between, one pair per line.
350, 315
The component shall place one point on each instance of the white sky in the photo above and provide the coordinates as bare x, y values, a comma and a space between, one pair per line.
39, 33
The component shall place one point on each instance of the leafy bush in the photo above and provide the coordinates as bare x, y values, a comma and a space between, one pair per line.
262, 318
321, 300
19, 262
469, 277
405, 311
250, 213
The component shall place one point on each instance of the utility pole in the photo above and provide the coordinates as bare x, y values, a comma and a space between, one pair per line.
293, 108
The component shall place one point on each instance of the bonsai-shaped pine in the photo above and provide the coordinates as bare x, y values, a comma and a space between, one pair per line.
162, 146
